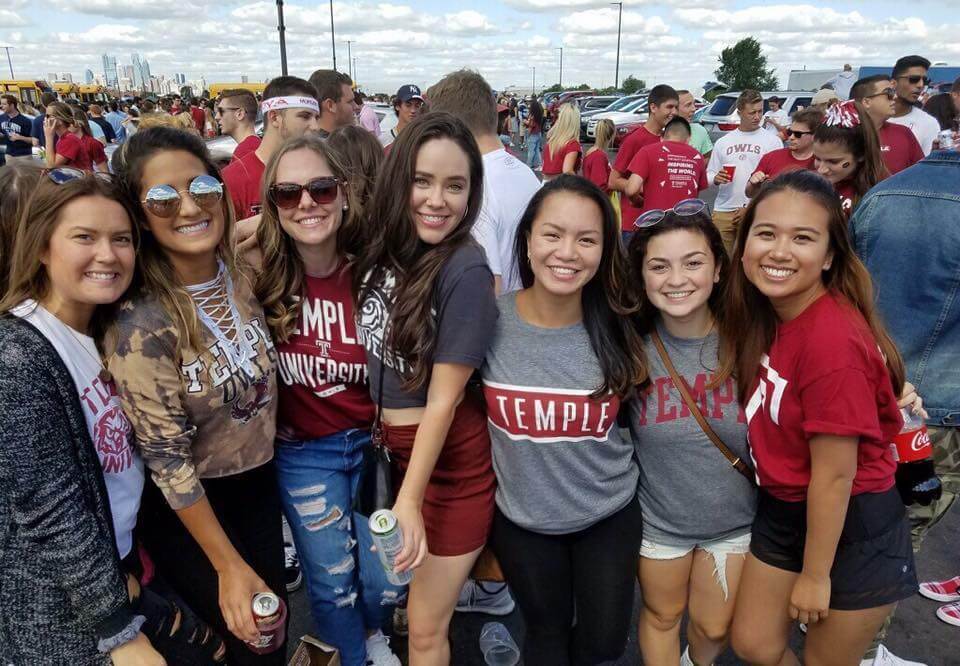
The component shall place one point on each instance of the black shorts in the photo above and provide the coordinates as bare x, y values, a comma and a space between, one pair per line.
874, 562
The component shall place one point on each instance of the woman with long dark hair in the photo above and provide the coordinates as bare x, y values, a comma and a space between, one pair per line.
534, 126
818, 377
195, 370
697, 508
564, 358
361, 155
427, 310
846, 151
325, 413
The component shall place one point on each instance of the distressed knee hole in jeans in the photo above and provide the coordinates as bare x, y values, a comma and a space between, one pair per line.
390, 598
331, 517
344, 566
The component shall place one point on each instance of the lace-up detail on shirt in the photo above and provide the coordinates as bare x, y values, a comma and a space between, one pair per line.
218, 312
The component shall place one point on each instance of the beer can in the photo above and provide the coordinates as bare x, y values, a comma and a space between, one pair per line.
945, 139
270, 615
388, 538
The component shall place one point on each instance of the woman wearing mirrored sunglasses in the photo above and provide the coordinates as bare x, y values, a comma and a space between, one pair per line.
195, 368
325, 412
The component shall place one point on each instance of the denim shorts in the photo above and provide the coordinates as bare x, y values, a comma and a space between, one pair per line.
719, 549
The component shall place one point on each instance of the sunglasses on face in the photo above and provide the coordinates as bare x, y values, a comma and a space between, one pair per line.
63, 175
915, 79
288, 195
797, 133
164, 200
685, 208
891, 93
223, 109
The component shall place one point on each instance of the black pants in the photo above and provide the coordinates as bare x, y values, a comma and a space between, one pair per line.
590, 573
248, 508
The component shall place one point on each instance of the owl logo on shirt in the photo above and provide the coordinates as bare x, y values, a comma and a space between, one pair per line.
111, 437
243, 410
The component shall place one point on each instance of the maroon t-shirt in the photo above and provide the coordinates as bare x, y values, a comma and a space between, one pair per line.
671, 172
848, 195
199, 117
553, 164
899, 147
243, 178
596, 169
245, 147
779, 161
636, 140
323, 366
72, 147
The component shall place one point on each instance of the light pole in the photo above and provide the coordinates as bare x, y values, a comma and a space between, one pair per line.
9, 61
283, 40
350, 59
560, 48
357, 76
616, 77
534, 92
333, 41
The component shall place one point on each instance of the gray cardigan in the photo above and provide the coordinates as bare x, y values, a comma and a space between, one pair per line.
61, 585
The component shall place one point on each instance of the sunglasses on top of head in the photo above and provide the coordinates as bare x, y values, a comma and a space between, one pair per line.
685, 208
914, 79
321, 190
62, 175
164, 200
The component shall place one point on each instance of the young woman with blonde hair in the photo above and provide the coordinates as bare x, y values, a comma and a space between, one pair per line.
68, 142
562, 151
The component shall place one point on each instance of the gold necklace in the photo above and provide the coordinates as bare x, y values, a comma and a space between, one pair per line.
104, 374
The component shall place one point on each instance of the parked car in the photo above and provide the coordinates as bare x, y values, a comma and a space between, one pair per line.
626, 119
567, 96
618, 105
722, 116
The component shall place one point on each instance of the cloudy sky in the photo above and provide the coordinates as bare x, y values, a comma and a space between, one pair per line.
416, 41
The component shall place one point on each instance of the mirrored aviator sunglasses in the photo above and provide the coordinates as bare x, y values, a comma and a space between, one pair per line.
685, 208
164, 201
288, 195
62, 175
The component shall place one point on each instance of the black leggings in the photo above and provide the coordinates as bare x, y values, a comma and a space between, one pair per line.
248, 508
588, 574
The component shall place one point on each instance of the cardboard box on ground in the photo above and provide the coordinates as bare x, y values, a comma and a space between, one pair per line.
314, 652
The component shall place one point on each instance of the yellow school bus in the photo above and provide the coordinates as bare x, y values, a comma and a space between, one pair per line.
217, 88
26, 90
66, 90
93, 94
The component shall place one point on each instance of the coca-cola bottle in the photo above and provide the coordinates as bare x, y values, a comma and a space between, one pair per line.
916, 479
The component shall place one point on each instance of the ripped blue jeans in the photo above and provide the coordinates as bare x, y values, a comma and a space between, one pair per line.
349, 593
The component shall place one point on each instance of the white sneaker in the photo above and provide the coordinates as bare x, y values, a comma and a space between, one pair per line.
291, 566
379, 652
476, 598
886, 658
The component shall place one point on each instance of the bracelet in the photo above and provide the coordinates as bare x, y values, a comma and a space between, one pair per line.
105, 645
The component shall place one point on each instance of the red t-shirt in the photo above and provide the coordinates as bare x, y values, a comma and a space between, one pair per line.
322, 368
779, 161
596, 169
245, 147
636, 140
243, 178
671, 172
199, 117
94, 150
72, 147
824, 374
848, 195
553, 164
899, 147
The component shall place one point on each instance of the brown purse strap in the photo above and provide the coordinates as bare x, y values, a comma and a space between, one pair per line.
681, 385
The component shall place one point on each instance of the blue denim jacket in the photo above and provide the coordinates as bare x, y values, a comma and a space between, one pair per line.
907, 231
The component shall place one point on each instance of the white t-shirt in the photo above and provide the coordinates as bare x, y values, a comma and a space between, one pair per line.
388, 137
508, 186
780, 117
742, 150
924, 126
109, 428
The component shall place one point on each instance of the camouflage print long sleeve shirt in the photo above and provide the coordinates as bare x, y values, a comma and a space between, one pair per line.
195, 416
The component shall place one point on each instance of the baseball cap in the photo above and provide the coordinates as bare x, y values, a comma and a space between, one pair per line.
825, 96
408, 92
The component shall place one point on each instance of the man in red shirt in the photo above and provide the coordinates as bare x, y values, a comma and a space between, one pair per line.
236, 113
664, 174
662, 104
797, 155
290, 109
898, 145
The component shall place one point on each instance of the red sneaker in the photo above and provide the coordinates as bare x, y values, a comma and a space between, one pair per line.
946, 590
950, 614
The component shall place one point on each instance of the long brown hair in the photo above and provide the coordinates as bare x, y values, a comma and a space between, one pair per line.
751, 323
361, 156
38, 220
18, 181
155, 273
280, 283
396, 248
863, 143
608, 299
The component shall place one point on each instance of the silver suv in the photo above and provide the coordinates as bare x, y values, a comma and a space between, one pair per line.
722, 117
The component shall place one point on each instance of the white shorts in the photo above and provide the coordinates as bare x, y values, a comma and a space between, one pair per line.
719, 549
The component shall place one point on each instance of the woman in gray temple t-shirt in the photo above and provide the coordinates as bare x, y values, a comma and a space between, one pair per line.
567, 525
697, 509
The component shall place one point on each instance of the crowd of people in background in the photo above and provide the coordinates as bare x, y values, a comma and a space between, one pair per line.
576, 366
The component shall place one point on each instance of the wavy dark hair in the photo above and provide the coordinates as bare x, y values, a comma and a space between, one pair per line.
750, 324
608, 299
700, 223
361, 156
395, 248
864, 143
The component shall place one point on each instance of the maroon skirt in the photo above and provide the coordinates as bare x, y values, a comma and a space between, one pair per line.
458, 504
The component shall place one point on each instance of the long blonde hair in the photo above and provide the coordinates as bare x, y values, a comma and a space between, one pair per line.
604, 132
566, 129
280, 284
